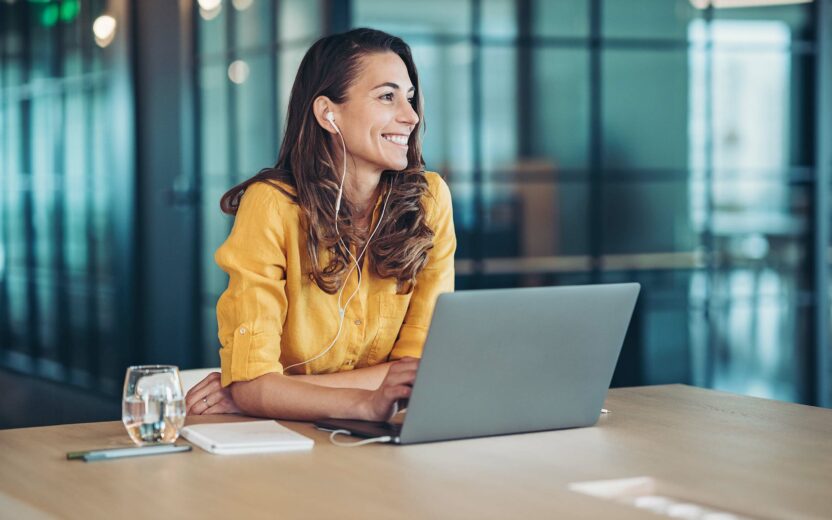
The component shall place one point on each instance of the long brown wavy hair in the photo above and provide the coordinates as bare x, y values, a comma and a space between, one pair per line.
307, 163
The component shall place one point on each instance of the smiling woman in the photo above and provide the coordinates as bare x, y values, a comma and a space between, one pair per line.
339, 251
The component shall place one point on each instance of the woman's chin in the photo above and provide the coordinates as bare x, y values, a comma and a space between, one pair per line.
394, 167
399, 166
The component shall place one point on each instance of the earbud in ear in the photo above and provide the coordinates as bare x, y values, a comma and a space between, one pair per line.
330, 116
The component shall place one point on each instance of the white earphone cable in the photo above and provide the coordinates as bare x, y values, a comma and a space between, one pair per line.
342, 310
342, 444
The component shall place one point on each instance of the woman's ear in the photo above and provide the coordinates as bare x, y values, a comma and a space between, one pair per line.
320, 107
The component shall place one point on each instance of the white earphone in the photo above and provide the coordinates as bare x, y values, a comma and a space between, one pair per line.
330, 116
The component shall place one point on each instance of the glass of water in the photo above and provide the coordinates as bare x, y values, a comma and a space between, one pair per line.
153, 408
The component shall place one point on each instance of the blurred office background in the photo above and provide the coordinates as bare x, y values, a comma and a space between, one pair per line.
682, 144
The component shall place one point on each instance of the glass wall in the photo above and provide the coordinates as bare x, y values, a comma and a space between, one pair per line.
247, 54
659, 141
584, 141
640, 140
65, 155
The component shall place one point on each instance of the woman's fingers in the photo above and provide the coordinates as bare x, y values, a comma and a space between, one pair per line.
394, 393
206, 403
207, 380
226, 405
407, 366
198, 399
404, 364
200, 389
202, 398
400, 378
397, 385
202, 404
215, 401
216, 409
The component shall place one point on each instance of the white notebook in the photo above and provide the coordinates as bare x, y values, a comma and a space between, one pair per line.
246, 437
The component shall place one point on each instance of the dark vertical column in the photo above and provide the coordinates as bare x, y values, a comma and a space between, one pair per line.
92, 336
119, 344
478, 236
595, 201
6, 13
33, 313
61, 303
337, 16
185, 192
199, 227
525, 80
167, 254
821, 238
231, 104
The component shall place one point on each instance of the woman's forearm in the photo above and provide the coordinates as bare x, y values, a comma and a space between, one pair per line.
281, 397
368, 378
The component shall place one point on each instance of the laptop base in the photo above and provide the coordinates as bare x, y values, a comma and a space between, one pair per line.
363, 429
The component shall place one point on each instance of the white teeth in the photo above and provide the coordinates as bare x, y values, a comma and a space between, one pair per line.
398, 139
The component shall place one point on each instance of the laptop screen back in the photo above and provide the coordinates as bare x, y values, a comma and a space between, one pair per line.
517, 360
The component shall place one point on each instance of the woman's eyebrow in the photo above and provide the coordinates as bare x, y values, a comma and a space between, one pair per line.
392, 85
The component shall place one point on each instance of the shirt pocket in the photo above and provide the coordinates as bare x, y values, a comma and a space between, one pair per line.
391, 312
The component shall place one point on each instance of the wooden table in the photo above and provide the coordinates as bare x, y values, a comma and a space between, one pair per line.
751, 456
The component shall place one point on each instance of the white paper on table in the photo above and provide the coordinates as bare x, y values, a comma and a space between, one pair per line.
246, 437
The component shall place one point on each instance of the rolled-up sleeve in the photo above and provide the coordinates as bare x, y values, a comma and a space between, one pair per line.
437, 276
252, 310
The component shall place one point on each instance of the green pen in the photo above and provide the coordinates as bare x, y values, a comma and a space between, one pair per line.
120, 453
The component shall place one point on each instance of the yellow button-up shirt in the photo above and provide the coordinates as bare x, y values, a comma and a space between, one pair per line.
272, 315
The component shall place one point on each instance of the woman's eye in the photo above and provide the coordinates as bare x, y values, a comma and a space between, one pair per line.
389, 97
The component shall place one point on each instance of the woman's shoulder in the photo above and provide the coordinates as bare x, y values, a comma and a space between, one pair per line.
435, 181
270, 203
438, 192
272, 194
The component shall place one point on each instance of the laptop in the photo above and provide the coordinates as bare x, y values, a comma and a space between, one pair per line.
507, 361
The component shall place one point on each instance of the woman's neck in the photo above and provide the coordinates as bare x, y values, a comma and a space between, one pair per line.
361, 188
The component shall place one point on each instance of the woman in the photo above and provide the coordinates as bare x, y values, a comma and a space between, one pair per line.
338, 253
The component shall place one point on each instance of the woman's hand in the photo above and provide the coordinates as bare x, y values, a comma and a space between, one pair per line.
396, 385
208, 397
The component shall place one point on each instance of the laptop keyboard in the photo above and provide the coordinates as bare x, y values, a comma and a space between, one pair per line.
389, 427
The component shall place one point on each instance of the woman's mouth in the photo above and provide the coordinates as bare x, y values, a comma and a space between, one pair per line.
397, 139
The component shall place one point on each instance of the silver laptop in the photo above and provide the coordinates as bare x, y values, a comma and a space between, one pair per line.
507, 361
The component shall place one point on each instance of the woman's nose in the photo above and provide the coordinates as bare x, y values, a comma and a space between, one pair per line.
408, 114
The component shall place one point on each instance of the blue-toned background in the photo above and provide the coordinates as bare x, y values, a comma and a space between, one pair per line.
682, 144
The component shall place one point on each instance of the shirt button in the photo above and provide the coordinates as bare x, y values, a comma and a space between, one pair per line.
243, 330
358, 322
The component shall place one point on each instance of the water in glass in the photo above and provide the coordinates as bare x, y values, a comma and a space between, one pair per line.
153, 408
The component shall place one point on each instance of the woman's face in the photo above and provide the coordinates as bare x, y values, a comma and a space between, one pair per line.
377, 118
